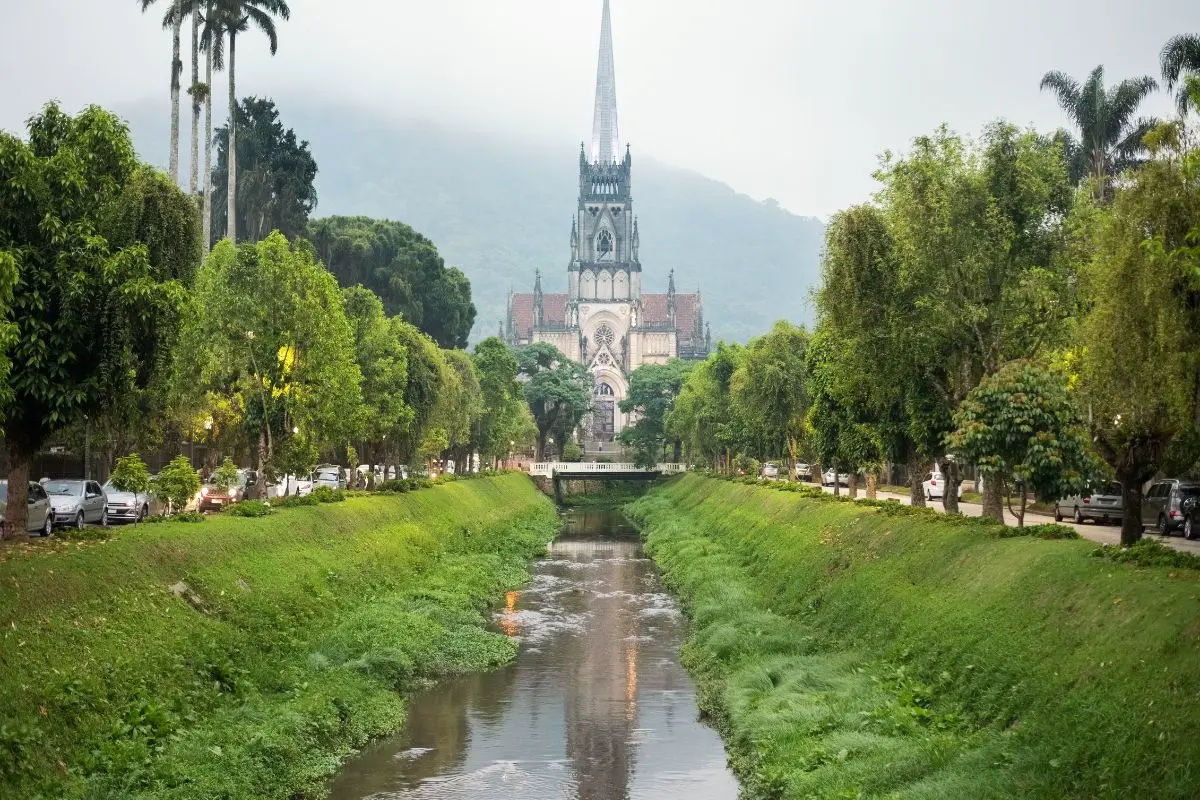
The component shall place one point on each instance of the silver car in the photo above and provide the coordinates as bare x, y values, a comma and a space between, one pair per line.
130, 506
1103, 503
77, 502
39, 517
1162, 506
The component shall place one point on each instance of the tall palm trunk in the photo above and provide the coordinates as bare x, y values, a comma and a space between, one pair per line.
194, 178
176, 71
208, 101
231, 147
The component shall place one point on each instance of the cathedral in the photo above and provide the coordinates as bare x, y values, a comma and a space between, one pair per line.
605, 320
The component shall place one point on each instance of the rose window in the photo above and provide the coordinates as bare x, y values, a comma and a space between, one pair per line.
605, 336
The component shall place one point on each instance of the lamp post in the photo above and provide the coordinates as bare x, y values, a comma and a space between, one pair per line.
550, 441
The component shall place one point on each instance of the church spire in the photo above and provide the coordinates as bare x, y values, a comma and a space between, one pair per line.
606, 142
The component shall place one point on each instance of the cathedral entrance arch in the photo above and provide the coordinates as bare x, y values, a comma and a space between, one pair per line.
604, 413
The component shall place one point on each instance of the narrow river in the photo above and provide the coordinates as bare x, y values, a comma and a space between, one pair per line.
595, 707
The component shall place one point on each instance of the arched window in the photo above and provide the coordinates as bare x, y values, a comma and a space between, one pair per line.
604, 390
604, 245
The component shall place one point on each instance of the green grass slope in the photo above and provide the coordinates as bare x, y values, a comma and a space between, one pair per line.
846, 653
294, 641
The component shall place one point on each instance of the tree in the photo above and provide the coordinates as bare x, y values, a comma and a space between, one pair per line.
176, 484
558, 391
87, 312
653, 389
1139, 343
276, 172
174, 21
1180, 59
458, 408
769, 389
1110, 136
505, 415
131, 475
403, 268
703, 415
383, 361
1021, 426
426, 381
236, 16
271, 327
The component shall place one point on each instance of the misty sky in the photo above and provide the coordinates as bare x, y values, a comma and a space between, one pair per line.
788, 99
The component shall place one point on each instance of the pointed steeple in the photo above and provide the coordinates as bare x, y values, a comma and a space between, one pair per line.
671, 297
606, 141
538, 309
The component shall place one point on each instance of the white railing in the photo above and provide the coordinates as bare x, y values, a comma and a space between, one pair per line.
547, 469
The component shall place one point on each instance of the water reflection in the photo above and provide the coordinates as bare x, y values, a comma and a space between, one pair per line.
596, 706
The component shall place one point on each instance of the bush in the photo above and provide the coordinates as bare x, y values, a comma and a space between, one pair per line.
249, 508
392, 486
291, 501
86, 534
325, 494
572, 452
1148, 553
1049, 530
189, 516
177, 483
131, 474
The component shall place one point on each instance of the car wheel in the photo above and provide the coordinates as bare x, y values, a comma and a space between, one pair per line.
79, 521
104, 518
48, 527
1162, 526
1078, 517
1189, 530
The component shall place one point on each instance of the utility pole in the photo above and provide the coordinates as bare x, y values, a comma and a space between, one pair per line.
87, 448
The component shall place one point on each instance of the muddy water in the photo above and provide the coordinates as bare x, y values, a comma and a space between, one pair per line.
595, 707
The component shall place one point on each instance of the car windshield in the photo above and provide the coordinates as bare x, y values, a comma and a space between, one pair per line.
64, 488
1112, 487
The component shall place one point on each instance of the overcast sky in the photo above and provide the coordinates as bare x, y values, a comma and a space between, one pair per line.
790, 99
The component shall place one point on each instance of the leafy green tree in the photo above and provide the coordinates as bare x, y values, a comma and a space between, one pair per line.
769, 390
235, 17
131, 474
90, 316
403, 268
383, 360
271, 327
1139, 343
703, 415
505, 414
1021, 427
276, 174
426, 380
558, 391
460, 405
1180, 59
176, 484
653, 389
225, 476
1110, 133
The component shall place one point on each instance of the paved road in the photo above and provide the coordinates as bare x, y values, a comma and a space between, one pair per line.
1104, 534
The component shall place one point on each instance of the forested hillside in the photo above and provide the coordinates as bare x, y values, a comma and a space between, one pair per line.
500, 209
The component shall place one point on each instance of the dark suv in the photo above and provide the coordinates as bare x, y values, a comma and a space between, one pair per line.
1162, 506
1191, 517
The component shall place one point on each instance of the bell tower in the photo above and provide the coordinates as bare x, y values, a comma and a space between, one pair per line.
604, 265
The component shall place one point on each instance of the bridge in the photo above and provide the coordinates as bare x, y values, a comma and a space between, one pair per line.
594, 470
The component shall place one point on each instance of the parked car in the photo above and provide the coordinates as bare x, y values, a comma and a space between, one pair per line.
1162, 506
330, 475
215, 498
770, 470
39, 517
1102, 503
289, 485
1191, 517
803, 472
935, 486
130, 506
830, 477
77, 502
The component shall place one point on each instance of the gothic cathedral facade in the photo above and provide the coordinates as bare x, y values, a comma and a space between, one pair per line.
605, 320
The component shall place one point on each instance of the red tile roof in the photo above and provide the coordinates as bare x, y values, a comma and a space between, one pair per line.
554, 307
654, 312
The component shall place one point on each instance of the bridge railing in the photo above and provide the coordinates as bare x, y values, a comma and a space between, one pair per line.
548, 469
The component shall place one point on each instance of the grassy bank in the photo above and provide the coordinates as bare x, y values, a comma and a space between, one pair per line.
844, 652
244, 658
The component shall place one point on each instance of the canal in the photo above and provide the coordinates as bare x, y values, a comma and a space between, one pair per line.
596, 705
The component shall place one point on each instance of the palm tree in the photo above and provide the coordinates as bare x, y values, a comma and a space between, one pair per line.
176, 71
236, 16
1110, 138
1180, 58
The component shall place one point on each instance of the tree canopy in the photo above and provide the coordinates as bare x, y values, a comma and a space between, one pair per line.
653, 389
558, 391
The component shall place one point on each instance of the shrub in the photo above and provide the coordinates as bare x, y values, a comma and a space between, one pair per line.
249, 508
177, 483
225, 475
392, 486
326, 494
1049, 530
1148, 553
572, 452
189, 516
291, 501
86, 534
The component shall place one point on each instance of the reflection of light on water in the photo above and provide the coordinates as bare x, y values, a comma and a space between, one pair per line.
508, 619
631, 678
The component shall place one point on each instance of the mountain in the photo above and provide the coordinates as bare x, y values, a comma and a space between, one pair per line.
500, 209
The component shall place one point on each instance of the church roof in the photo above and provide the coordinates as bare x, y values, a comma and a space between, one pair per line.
687, 308
554, 309
654, 312
606, 141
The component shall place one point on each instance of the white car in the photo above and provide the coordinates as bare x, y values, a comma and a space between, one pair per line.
935, 486
803, 472
829, 478
770, 470
330, 475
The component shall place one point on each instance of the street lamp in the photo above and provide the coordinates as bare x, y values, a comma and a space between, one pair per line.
295, 430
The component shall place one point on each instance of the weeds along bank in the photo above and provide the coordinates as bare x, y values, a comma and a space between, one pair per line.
846, 652
242, 658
